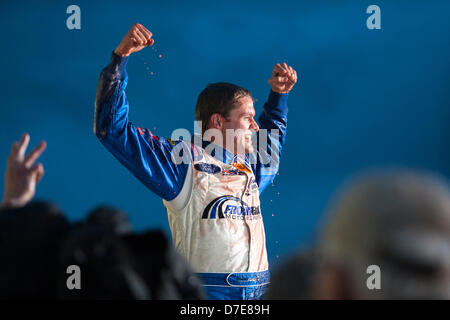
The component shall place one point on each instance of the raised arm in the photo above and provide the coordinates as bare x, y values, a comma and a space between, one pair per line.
147, 156
273, 119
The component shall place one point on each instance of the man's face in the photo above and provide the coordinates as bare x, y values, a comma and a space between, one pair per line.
239, 126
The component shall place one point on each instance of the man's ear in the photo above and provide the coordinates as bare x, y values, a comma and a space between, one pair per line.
215, 121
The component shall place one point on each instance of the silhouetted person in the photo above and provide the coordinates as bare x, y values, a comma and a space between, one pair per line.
30, 239
397, 221
30, 233
118, 264
37, 244
111, 218
294, 278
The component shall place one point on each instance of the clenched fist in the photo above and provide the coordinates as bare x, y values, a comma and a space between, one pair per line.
283, 78
22, 174
136, 39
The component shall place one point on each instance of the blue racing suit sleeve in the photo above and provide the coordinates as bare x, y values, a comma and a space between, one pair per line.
147, 156
273, 119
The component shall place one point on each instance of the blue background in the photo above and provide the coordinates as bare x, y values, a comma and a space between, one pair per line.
365, 98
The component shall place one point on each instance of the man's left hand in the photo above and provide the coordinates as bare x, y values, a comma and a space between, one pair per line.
283, 78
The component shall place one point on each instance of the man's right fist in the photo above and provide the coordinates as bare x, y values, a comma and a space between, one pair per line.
136, 39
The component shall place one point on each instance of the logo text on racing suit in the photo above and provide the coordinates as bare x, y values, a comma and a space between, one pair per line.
234, 207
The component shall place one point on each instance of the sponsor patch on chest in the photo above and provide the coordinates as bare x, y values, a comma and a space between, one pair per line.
229, 207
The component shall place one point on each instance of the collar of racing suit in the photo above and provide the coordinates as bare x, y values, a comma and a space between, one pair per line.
224, 155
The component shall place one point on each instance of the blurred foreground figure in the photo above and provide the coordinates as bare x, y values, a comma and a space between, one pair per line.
30, 233
294, 278
118, 264
38, 244
30, 239
397, 221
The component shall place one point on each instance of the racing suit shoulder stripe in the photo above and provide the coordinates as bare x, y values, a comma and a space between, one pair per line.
147, 156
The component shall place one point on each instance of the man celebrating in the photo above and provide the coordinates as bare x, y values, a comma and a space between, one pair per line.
212, 199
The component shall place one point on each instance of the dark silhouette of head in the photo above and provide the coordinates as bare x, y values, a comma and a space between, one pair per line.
116, 263
398, 221
294, 278
30, 239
